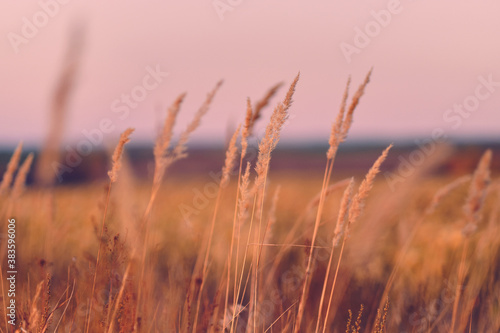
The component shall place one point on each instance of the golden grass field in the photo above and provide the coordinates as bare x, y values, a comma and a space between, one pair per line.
254, 250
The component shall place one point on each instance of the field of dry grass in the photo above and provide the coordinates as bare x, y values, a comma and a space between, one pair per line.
248, 250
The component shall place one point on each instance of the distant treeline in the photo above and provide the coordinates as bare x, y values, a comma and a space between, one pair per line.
355, 158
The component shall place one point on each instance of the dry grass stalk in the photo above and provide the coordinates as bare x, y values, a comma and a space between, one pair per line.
232, 313
35, 317
268, 234
244, 201
164, 139
436, 200
314, 202
180, 149
113, 176
67, 301
346, 124
266, 146
127, 209
228, 166
163, 157
11, 169
20, 180
477, 192
348, 327
357, 324
381, 319
49, 156
261, 104
343, 122
251, 117
384, 317
291, 237
163, 160
247, 128
338, 134
343, 213
231, 152
355, 211
119, 297
272, 217
358, 201
342, 216
481, 180
272, 134
460, 279
243, 197
279, 317
239, 214
117, 155
442, 192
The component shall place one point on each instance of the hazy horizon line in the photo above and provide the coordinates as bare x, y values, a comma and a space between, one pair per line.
289, 142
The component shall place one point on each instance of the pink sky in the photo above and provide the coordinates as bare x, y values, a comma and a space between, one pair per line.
426, 59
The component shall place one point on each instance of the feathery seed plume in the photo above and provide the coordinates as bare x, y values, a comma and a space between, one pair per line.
117, 155
336, 135
261, 104
329, 190
180, 149
244, 195
164, 139
245, 132
230, 158
477, 192
355, 101
358, 201
444, 191
343, 212
20, 180
11, 168
272, 216
343, 122
271, 137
